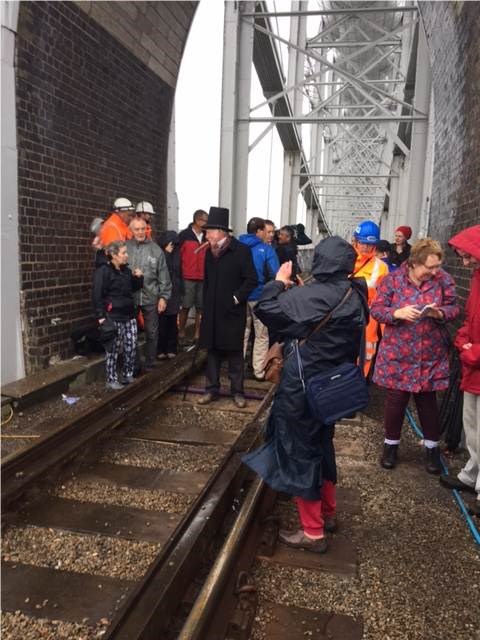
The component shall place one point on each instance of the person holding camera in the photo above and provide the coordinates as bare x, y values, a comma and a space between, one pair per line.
298, 457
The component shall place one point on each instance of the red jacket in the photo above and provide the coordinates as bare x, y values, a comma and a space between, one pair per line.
192, 253
468, 241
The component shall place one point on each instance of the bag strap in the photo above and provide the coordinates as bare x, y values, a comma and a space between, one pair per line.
298, 344
362, 353
327, 318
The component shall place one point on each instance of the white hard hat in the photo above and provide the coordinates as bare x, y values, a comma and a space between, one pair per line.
144, 207
122, 204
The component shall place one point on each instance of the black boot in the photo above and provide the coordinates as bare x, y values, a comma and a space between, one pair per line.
432, 460
389, 456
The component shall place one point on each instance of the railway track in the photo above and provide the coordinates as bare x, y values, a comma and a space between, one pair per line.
145, 481
160, 533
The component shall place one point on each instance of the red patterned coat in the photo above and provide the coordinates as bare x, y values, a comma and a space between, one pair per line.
413, 356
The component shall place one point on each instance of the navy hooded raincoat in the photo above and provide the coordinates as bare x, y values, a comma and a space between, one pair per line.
299, 452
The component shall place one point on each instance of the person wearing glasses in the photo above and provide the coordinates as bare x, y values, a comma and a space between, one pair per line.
414, 302
467, 246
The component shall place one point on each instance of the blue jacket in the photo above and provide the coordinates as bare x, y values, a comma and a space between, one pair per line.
265, 260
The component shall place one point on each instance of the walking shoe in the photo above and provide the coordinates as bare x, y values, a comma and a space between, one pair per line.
171, 356
208, 398
239, 401
259, 378
162, 356
432, 460
114, 386
389, 456
452, 482
330, 524
298, 540
127, 380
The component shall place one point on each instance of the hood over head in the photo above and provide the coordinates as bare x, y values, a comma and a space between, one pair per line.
468, 241
333, 256
167, 236
333, 263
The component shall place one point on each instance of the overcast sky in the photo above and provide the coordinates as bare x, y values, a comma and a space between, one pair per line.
198, 109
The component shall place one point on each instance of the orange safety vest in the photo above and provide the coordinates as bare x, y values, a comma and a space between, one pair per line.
373, 269
113, 229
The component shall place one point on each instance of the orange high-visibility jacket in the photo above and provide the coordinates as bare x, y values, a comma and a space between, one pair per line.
113, 229
373, 269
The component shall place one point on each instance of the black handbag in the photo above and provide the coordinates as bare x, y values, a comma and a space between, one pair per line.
108, 333
339, 392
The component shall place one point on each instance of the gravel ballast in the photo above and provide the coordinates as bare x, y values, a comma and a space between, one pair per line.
154, 500
94, 554
419, 568
170, 457
16, 626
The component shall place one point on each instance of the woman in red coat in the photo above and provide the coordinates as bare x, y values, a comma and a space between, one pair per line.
467, 245
414, 303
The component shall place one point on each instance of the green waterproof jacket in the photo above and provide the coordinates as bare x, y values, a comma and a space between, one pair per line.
148, 257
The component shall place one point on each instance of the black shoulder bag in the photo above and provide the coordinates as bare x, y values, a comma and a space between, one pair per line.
339, 392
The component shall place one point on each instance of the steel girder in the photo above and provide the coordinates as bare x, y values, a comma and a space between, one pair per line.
351, 94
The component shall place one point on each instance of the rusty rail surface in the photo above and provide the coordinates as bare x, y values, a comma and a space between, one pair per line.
21, 470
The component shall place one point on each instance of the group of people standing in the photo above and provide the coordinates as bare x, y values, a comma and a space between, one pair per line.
140, 282
412, 306
401, 302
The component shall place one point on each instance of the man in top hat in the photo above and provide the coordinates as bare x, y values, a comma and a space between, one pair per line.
230, 276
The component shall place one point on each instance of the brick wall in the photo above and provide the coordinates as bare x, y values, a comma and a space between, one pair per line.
93, 124
452, 30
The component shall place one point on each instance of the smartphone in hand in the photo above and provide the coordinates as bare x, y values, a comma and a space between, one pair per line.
424, 310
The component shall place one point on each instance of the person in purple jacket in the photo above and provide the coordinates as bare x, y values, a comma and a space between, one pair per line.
414, 303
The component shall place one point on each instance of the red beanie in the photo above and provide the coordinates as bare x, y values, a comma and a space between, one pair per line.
407, 231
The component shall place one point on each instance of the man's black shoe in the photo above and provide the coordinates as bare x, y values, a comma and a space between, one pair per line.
452, 482
432, 460
389, 456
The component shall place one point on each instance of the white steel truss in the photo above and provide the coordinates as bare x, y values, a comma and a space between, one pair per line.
348, 89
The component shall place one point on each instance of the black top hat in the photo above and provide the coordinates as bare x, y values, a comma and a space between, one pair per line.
218, 219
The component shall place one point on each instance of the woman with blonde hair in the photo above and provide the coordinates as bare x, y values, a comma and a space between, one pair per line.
414, 303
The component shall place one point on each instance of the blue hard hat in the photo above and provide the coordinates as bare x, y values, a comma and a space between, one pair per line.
367, 232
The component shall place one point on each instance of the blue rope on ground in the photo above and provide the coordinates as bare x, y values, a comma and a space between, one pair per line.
456, 494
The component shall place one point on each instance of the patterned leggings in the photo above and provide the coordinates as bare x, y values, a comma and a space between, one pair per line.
126, 337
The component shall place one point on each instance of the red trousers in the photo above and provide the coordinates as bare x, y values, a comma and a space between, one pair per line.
312, 512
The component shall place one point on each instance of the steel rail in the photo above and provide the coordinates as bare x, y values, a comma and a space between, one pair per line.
21, 470
149, 608
196, 625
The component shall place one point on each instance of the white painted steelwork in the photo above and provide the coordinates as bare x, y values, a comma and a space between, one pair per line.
362, 101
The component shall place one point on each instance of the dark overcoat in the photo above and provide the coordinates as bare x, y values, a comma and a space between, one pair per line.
298, 452
231, 275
